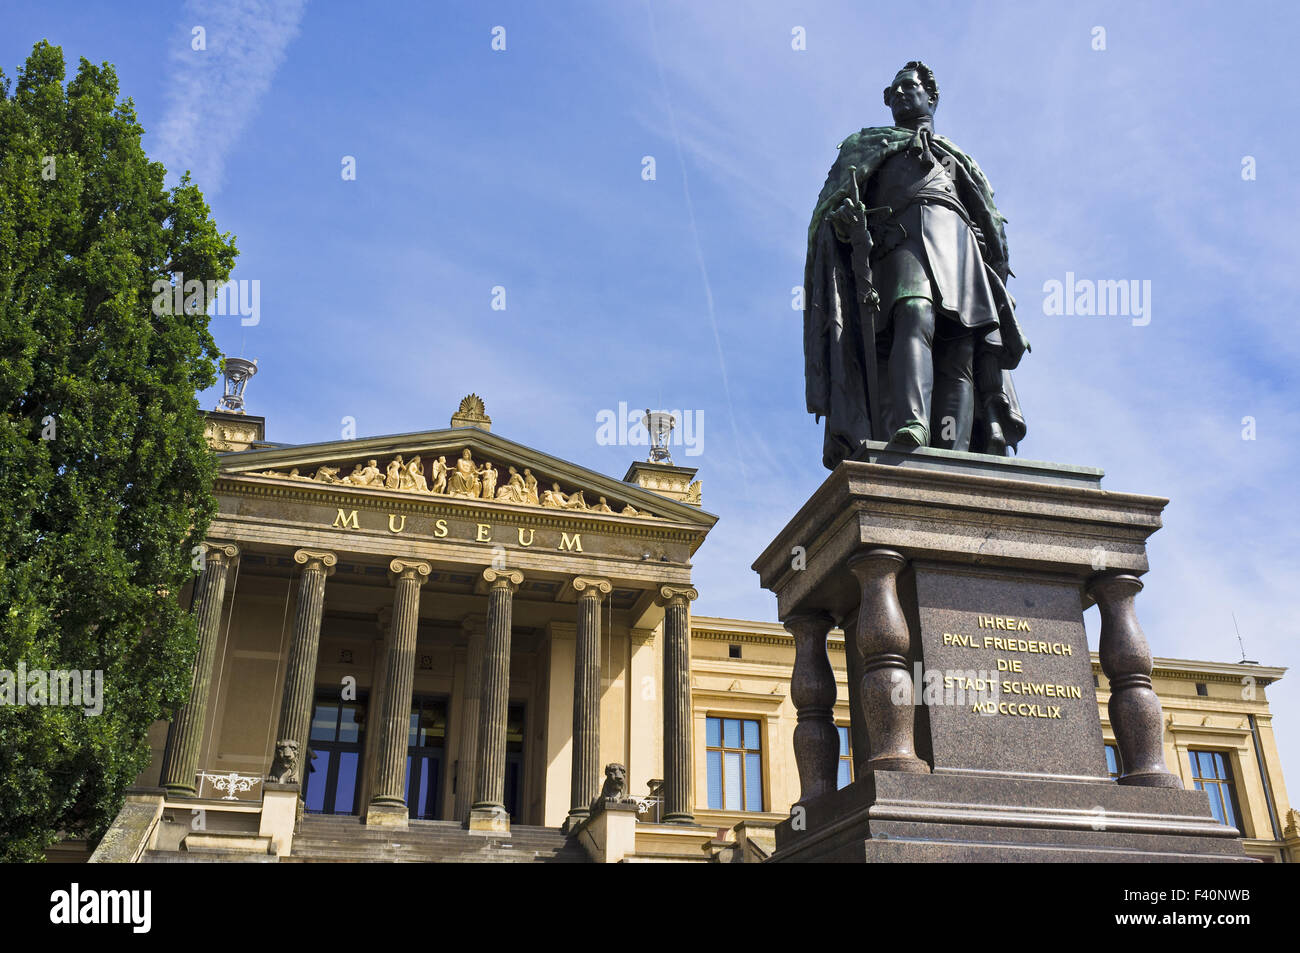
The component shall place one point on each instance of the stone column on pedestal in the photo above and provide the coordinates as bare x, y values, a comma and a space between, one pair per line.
375, 700
291, 759
586, 777
1134, 706
488, 812
387, 805
475, 627
678, 778
812, 690
186, 732
885, 693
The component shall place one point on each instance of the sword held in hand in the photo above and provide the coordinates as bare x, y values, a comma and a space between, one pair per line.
851, 224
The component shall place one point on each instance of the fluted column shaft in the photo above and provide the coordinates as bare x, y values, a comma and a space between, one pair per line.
1134, 706
678, 779
885, 693
494, 699
585, 783
186, 735
812, 690
466, 771
395, 717
291, 737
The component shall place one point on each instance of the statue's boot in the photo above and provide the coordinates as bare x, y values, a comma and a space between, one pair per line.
913, 434
996, 443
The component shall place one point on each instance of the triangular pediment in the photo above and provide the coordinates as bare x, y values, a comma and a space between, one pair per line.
461, 464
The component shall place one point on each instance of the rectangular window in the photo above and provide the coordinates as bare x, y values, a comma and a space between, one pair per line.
1113, 763
734, 764
846, 759
1212, 774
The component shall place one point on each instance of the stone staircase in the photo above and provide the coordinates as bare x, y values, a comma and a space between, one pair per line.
340, 838
328, 838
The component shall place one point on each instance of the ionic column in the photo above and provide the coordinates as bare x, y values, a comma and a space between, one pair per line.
885, 693
186, 732
488, 812
289, 763
388, 802
812, 690
586, 776
466, 770
1134, 706
678, 780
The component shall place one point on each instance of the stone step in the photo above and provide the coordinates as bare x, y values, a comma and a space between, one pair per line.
206, 857
343, 838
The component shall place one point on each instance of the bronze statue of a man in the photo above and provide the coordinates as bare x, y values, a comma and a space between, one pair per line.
909, 332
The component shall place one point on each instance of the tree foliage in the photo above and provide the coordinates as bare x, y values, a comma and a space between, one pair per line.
105, 478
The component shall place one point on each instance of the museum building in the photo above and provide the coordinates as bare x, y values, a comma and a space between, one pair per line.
431, 646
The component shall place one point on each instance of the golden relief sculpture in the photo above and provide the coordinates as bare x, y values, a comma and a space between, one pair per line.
463, 480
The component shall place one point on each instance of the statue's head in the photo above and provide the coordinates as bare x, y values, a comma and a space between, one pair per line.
616, 774
913, 94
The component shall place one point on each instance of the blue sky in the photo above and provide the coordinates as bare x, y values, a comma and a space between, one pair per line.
523, 169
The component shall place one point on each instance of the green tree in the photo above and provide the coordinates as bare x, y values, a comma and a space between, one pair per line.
105, 478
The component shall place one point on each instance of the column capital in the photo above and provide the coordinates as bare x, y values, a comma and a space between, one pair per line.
219, 550
503, 578
416, 569
591, 587
669, 595
317, 559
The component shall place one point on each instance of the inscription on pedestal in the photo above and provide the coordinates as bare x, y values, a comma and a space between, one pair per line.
1005, 674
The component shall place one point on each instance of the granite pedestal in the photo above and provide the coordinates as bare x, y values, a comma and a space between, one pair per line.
960, 581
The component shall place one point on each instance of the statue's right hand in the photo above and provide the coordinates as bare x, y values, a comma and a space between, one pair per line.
849, 220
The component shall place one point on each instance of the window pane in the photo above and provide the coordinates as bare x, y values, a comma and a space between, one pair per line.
713, 732
315, 796
1112, 762
731, 761
844, 779
1220, 766
1216, 802
324, 723
422, 795
347, 783
844, 741
350, 727
1229, 815
751, 735
753, 781
731, 732
715, 780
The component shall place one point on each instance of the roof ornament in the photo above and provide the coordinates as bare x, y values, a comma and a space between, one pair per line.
472, 413
659, 424
236, 371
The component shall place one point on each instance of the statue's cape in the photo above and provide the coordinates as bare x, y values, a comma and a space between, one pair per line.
833, 348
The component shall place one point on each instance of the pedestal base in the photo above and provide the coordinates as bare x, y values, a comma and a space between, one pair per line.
488, 820
888, 816
387, 815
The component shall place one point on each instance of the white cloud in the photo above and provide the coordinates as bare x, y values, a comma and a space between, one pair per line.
213, 92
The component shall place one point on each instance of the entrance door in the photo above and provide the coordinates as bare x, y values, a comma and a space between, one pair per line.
338, 738
514, 759
425, 754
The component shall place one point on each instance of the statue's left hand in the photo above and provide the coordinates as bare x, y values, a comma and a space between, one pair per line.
850, 220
